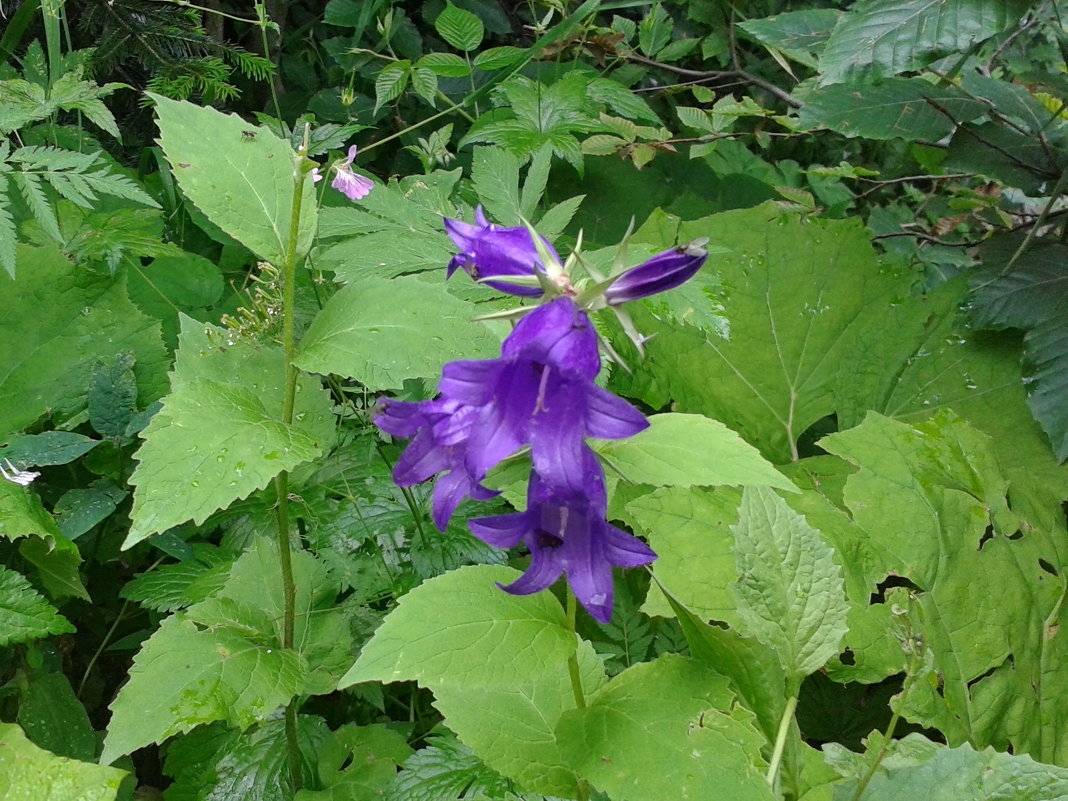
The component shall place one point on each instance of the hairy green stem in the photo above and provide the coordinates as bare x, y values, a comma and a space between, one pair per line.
285, 558
780, 740
888, 737
576, 679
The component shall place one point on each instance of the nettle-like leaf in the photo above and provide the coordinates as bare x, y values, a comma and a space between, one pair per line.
24, 614
378, 332
50, 338
176, 586
686, 450
796, 291
55, 557
460, 28
27, 771
932, 499
667, 728
240, 175
445, 770
396, 230
185, 676
1032, 297
357, 762
790, 591
220, 434
876, 39
534, 114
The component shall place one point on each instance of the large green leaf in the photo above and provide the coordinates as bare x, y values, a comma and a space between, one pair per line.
51, 336
932, 498
24, 614
964, 774
28, 773
790, 591
357, 762
443, 631
381, 332
796, 291
665, 729
879, 38
798, 34
53, 717
220, 434
1032, 297
512, 727
897, 108
240, 175
185, 676
920, 357
685, 450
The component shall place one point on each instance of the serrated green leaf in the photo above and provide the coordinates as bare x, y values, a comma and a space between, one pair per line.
184, 676
379, 332
654, 31
54, 719
877, 39
56, 559
495, 174
220, 435
425, 83
447, 65
358, 762
24, 614
495, 58
1032, 297
443, 771
555, 219
685, 450
244, 184
391, 81
30, 187
442, 631
28, 773
897, 108
790, 592
665, 729
50, 337
81, 508
461, 29
7, 230
512, 727
112, 397
175, 586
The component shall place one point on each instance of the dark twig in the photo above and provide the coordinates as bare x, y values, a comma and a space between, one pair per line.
713, 75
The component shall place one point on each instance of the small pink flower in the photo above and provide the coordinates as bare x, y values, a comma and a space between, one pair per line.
347, 182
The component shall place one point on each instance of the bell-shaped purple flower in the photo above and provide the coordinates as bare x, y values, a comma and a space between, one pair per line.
566, 532
491, 251
541, 393
440, 429
353, 186
662, 272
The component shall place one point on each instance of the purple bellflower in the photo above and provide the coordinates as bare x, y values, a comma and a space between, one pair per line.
440, 429
539, 393
491, 251
662, 272
566, 532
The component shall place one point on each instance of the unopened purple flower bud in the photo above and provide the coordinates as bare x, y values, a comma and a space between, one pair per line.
662, 272
492, 251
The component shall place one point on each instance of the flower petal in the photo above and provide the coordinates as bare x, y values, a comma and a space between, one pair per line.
545, 568
501, 531
611, 417
470, 382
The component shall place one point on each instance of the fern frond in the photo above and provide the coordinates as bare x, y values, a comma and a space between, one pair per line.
30, 187
7, 229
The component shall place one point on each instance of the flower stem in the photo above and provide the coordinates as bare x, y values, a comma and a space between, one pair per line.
583, 788
780, 740
285, 558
